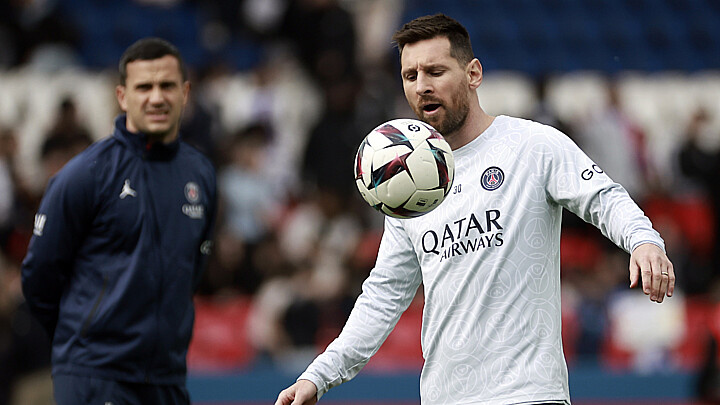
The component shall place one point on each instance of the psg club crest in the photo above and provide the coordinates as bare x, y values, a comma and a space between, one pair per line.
492, 178
193, 209
192, 192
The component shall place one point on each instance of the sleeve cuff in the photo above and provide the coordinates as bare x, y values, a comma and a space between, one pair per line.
319, 385
661, 245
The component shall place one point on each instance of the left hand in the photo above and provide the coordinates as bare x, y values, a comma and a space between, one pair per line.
658, 276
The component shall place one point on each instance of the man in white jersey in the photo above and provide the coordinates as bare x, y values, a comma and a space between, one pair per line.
489, 255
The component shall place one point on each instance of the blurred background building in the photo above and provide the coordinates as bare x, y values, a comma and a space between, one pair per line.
283, 93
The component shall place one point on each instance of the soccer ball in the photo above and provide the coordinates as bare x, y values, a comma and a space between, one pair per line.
404, 168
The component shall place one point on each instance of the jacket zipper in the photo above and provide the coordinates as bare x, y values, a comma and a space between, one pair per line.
88, 321
155, 230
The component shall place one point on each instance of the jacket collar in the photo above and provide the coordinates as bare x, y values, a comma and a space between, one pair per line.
139, 142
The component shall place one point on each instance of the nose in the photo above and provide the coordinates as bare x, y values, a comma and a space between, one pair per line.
423, 84
156, 96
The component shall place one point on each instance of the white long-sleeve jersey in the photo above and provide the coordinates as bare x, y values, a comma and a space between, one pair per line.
489, 259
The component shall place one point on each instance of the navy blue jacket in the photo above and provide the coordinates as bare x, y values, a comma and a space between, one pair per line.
119, 242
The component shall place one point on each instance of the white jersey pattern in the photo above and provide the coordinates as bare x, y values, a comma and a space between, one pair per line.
489, 259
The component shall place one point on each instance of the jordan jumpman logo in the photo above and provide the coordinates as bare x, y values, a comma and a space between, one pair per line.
127, 191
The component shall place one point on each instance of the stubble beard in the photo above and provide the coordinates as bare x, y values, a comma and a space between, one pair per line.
453, 120
162, 133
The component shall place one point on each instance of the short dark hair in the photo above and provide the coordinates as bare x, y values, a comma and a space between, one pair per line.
149, 49
438, 25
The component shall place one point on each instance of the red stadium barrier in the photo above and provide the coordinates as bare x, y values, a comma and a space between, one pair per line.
220, 340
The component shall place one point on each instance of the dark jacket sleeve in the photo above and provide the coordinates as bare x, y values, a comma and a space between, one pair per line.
61, 223
207, 243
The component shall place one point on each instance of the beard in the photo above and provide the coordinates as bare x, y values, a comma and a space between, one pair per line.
453, 119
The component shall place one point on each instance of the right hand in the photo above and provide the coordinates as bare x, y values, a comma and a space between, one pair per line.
303, 392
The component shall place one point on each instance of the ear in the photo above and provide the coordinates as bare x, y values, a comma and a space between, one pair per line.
474, 73
120, 94
186, 92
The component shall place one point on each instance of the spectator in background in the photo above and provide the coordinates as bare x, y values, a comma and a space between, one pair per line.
24, 346
702, 164
10, 36
43, 39
334, 140
293, 307
7, 183
323, 34
544, 113
20, 202
56, 152
617, 145
66, 138
67, 126
251, 204
119, 243
279, 96
199, 126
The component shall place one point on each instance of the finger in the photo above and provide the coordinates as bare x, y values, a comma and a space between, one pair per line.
662, 266
284, 398
664, 281
646, 275
300, 398
671, 279
657, 294
634, 274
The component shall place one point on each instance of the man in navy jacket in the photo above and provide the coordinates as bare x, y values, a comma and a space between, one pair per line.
119, 243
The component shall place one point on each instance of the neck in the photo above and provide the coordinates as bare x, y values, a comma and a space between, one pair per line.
167, 137
475, 124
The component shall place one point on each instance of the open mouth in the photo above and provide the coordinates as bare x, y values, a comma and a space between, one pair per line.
430, 107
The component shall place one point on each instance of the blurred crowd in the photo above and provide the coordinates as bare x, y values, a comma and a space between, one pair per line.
294, 240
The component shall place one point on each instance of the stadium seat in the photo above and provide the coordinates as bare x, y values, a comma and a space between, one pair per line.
691, 352
693, 215
220, 341
508, 93
578, 251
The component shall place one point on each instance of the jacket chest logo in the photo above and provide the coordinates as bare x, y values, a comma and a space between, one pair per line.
193, 209
192, 194
127, 191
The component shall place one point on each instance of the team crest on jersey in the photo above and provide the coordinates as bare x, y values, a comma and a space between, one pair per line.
192, 192
492, 178
193, 210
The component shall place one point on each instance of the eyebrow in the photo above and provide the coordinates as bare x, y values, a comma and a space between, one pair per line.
151, 83
430, 66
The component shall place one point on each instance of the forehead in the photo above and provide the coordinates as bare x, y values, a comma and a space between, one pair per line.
426, 52
164, 68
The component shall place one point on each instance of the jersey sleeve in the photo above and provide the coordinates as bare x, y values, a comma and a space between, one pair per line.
386, 294
575, 182
62, 220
